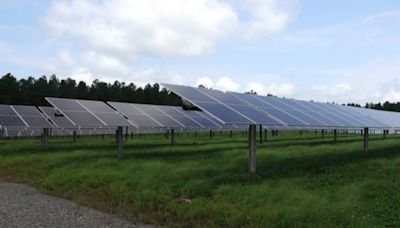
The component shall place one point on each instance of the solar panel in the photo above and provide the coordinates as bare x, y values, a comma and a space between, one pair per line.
32, 116
224, 107
9, 118
333, 115
326, 117
286, 105
261, 104
180, 116
319, 117
159, 116
204, 119
389, 118
135, 115
58, 119
241, 107
89, 113
364, 119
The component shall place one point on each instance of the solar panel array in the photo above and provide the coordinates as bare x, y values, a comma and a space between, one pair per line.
281, 112
224, 107
220, 110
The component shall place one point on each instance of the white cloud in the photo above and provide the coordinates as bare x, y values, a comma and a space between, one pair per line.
107, 39
226, 84
374, 81
276, 89
205, 81
267, 17
256, 87
140, 78
284, 89
336, 92
152, 27
174, 28
82, 75
391, 95
386, 14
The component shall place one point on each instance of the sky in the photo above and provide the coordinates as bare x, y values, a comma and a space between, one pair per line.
331, 51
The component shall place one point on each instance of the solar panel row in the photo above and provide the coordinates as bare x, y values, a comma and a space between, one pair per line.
22, 116
221, 110
87, 113
239, 108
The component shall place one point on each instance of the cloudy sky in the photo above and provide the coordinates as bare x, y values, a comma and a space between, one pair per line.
338, 51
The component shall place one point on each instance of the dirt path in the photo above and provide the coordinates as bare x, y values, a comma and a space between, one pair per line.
24, 206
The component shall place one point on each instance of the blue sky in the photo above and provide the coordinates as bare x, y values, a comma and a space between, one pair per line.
337, 51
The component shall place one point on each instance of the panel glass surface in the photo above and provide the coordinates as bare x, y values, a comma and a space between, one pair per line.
148, 109
283, 116
170, 110
217, 105
166, 121
225, 114
369, 122
59, 120
351, 118
11, 121
6, 110
105, 113
204, 119
250, 99
96, 106
113, 119
255, 115
386, 117
206, 123
222, 97
124, 108
27, 110
323, 115
143, 120
65, 104
189, 93
187, 122
83, 118
314, 115
36, 121
97, 109
9, 118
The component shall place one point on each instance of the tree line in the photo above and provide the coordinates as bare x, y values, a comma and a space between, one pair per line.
32, 91
387, 106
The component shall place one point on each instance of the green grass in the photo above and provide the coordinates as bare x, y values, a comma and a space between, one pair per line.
301, 180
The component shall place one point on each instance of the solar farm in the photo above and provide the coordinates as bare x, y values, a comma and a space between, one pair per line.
224, 159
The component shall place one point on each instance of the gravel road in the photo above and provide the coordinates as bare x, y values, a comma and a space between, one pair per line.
23, 206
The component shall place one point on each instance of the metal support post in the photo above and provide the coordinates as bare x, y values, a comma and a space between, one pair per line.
120, 141
335, 135
45, 138
366, 134
173, 137
252, 148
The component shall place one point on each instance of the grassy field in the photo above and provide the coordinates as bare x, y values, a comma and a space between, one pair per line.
301, 180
